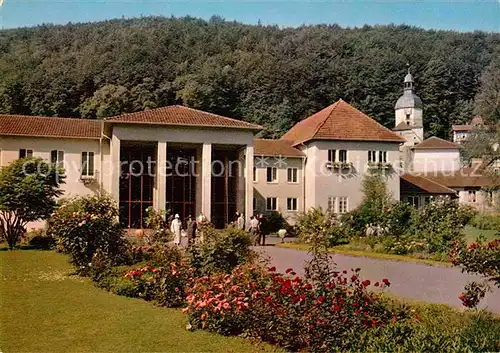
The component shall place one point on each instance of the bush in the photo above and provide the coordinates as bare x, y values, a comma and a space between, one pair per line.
40, 240
163, 285
221, 250
285, 309
486, 221
273, 222
82, 226
315, 223
156, 221
440, 223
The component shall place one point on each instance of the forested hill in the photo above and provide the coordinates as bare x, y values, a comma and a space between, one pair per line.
263, 74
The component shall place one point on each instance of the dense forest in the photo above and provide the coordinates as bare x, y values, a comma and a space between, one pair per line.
264, 74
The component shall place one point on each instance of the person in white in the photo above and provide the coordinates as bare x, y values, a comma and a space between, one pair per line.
240, 222
176, 228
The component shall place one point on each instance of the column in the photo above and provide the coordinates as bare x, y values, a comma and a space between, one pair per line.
161, 180
115, 171
248, 182
206, 181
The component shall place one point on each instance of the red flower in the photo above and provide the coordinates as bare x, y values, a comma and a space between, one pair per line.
377, 284
272, 269
344, 272
366, 283
386, 282
472, 246
288, 270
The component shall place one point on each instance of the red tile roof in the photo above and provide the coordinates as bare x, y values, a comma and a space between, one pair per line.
461, 127
38, 126
182, 116
435, 143
409, 181
275, 148
463, 178
340, 121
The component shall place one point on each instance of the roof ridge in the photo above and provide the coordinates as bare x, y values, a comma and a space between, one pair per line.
216, 115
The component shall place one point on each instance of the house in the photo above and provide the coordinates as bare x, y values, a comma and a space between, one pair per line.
173, 158
462, 132
434, 155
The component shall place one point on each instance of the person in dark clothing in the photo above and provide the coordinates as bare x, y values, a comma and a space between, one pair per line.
262, 236
191, 230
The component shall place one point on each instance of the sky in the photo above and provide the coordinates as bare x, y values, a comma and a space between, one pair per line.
463, 15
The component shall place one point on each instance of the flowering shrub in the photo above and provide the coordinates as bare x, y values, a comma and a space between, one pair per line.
156, 255
87, 224
316, 222
285, 309
163, 285
480, 258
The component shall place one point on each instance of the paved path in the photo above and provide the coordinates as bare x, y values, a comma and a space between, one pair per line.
411, 280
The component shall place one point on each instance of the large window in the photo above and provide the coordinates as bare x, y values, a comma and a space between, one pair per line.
271, 204
292, 175
291, 204
57, 157
272, 174
87, 163
24, 153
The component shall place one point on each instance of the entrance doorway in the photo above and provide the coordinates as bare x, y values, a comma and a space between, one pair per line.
181, 182
136, 183
224, 187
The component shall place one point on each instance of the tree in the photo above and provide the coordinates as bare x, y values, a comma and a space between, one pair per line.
487, 101
28, 191
107, 101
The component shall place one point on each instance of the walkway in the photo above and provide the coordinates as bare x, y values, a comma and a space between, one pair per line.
411, 280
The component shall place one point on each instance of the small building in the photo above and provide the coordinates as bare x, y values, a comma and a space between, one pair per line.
462, 132
435, 155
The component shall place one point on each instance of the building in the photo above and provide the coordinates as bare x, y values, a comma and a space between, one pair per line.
462, 132
173, 158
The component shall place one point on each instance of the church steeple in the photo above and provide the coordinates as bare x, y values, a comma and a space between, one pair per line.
408, 81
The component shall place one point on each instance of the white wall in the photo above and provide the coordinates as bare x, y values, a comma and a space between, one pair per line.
346, 184
436, 160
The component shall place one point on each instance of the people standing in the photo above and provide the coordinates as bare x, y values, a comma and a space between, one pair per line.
262, 236
191, 230
176, 228
240, 222
254, 229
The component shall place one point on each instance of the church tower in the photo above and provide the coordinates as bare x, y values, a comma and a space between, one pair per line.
408, 109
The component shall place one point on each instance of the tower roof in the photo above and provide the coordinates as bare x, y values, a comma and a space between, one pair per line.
409, 99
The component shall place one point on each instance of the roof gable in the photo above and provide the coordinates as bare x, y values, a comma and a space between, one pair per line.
39, 126
181, 116
340, 121
436, 143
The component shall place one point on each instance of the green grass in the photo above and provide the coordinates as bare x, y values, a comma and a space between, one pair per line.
472, 233
44, 308
345, 250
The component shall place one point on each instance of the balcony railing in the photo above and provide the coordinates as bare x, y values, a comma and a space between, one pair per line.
380, 165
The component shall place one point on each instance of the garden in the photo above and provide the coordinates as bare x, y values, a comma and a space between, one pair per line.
217, 286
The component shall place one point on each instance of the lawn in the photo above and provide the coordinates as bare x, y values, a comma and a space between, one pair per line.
44, 308
472, 233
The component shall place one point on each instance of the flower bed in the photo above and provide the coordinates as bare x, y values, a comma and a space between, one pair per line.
285, 309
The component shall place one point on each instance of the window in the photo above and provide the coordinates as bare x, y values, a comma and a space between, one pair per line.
382, 156
254, 203
343, 205
427, 199
291, 204
271, 204
408, 118
87, 163
332, 200
372, 156
272, 174
343, 156
57, 157
255, 174
24, 153
472, 196
292, 175
414, 201
332, 156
